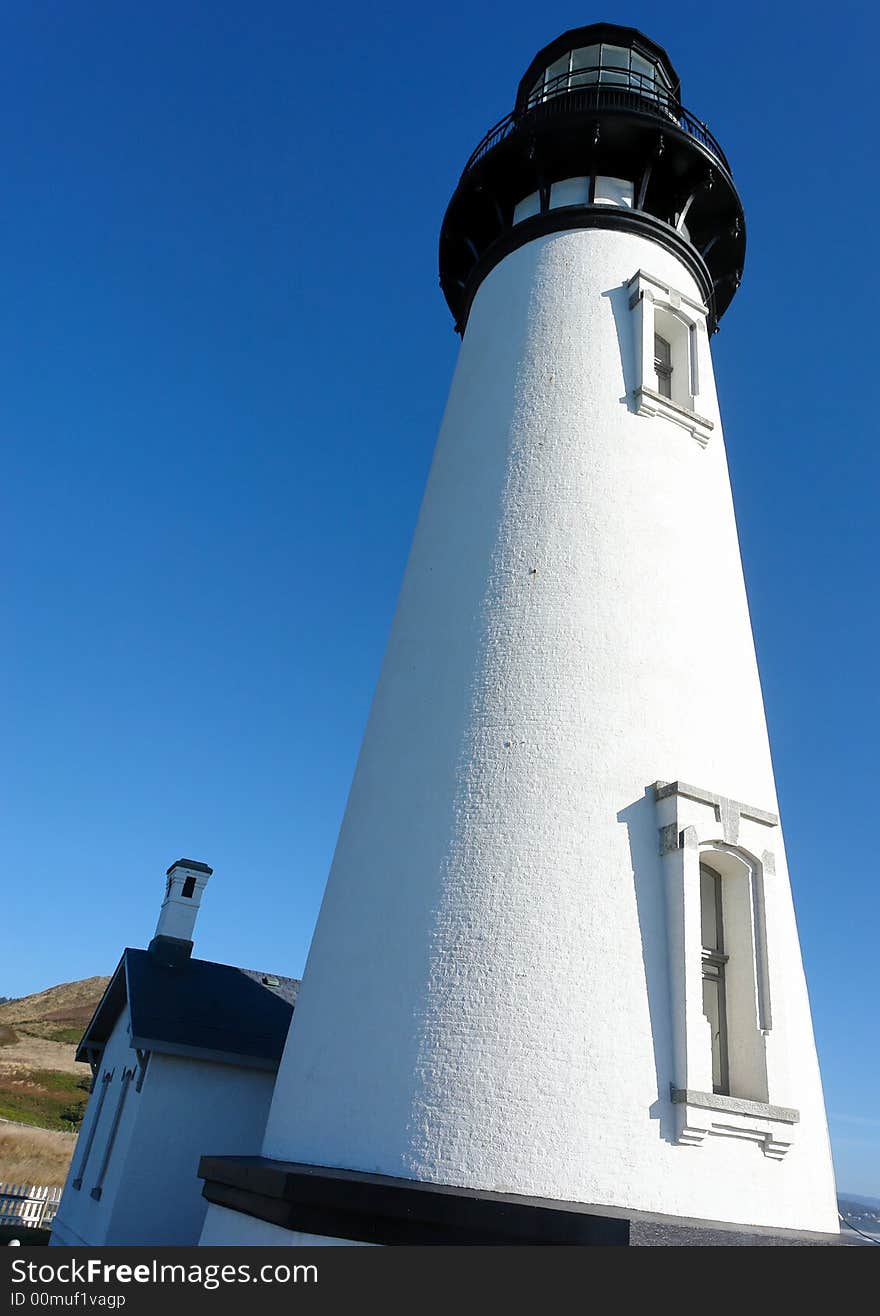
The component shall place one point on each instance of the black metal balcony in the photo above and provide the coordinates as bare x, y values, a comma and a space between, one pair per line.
602, 87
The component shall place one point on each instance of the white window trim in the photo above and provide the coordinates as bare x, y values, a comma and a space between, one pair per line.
646, 295
693, 823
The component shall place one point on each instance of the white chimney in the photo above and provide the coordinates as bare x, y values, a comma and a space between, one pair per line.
186, 880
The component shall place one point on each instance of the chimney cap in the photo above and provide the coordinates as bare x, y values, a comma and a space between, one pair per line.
189, 863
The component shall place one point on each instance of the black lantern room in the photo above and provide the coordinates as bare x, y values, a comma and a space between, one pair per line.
598, 138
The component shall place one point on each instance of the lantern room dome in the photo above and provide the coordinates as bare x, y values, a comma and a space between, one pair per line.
602, 54
598, 138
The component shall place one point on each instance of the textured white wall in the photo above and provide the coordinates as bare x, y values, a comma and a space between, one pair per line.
486, 1000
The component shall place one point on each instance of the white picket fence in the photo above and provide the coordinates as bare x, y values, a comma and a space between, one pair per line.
29, 1205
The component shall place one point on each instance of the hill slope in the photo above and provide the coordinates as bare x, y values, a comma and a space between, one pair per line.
59, 1013
40, 1082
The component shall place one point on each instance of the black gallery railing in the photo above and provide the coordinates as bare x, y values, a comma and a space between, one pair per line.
600, 88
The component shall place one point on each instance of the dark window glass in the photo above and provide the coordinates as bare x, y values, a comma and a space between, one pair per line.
714, 963
584, 66
663, 366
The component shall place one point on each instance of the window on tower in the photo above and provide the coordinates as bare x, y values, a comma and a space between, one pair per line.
734, 983
663, 365
730, 1077
714, 972
670, 340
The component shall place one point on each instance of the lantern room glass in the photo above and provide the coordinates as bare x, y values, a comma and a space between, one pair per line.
612, 66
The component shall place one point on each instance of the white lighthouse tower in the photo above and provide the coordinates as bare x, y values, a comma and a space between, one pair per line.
555, 988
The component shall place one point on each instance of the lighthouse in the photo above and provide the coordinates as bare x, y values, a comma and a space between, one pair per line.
555, 990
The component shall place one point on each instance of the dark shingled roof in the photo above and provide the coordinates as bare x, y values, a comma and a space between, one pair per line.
196, 1008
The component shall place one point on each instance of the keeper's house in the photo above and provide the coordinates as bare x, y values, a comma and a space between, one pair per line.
183, 1055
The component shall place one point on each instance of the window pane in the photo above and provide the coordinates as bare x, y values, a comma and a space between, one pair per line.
642, 65
570, 192
613, 192
615, 57
556, 81
643, 75
584, 66
712, 1010
709, 906
530, 205
663, 370
662, 84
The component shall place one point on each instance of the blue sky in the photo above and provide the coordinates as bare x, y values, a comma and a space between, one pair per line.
225, 357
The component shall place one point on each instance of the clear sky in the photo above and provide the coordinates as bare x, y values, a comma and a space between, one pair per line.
225, 357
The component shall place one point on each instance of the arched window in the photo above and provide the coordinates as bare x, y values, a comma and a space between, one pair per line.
670, 338
714, 973
733, 964
729, 1068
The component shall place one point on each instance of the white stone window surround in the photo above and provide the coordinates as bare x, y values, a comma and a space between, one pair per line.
658, 308
696, 825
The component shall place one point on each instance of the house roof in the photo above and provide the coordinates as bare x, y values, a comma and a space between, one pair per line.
195, 1008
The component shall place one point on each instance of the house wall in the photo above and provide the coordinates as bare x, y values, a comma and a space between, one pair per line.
80, 1218
190, 1108
186, 1108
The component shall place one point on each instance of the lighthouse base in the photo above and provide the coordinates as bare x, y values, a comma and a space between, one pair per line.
255, 1200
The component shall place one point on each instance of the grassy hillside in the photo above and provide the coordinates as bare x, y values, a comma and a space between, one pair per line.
41, 1085
58, 1014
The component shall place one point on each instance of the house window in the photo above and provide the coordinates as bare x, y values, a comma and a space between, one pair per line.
663, 365
714, 974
